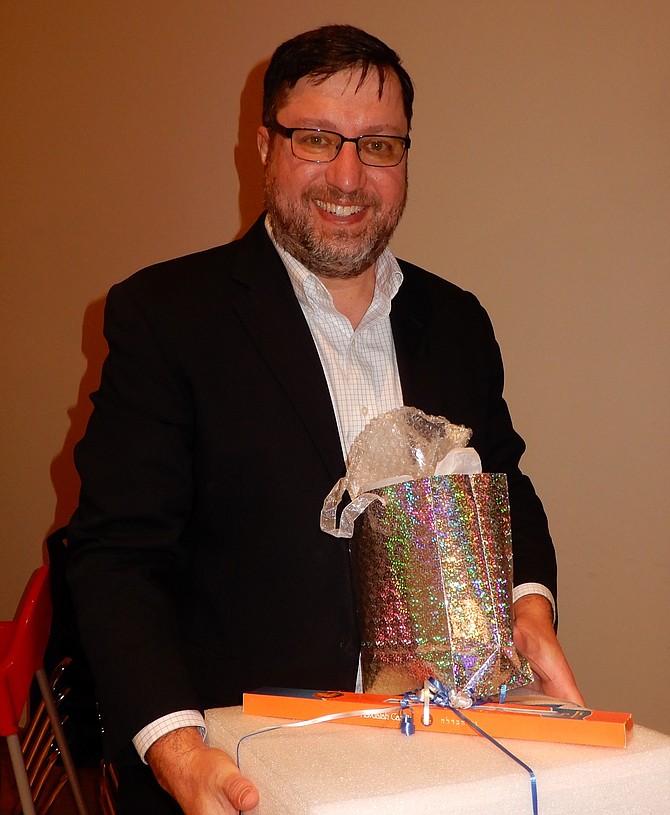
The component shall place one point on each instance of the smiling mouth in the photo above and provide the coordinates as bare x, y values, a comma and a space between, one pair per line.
339, 210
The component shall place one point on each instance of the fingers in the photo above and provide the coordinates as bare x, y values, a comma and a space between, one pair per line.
535, 637
558, 681
241, 793
204, 780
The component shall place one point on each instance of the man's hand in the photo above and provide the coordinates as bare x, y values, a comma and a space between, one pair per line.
535, 637
203, 780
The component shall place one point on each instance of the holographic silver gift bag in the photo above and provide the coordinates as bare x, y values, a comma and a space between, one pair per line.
431, 556
432, 566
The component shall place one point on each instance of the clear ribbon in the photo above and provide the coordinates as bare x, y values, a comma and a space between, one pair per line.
349, 513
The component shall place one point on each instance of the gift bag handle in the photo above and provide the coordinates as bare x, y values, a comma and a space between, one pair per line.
349, 513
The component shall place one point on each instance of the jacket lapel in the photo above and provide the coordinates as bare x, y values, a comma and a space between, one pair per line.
267, 305
410, 313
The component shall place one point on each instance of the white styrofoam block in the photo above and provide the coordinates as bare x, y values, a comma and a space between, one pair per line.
338, 769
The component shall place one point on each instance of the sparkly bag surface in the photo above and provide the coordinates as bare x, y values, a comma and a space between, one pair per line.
431, 557
432, 568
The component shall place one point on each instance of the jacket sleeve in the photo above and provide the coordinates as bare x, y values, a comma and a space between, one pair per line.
125, 549
534, 555
450, 365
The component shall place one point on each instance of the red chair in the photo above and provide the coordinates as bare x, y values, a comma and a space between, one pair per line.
22, 645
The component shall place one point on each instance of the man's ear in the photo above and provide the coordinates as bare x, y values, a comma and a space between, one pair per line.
263, 142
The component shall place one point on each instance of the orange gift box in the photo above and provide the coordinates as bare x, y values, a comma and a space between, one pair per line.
551, 721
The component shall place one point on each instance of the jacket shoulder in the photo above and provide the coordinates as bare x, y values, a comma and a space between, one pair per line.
186, 271
204, 276
419, 278
428, 293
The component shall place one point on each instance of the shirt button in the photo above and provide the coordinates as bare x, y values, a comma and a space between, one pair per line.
364, 410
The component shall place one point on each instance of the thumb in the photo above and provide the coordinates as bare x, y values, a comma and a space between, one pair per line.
241, 792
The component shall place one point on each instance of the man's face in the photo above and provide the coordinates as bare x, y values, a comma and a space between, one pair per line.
336, 217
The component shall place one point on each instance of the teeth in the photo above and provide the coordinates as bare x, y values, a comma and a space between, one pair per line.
338, 209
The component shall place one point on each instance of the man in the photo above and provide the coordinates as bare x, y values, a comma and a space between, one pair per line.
236, 381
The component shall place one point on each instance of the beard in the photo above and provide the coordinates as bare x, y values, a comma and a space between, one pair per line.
342, 253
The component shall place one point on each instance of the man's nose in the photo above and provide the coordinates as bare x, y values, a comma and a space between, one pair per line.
346, 172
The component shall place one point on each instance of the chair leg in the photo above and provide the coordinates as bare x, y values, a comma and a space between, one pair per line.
25, 796
45, 806
61, 741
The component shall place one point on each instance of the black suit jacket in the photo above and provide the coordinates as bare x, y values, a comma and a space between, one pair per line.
198, 568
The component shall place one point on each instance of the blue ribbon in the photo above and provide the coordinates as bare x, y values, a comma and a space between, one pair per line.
406, 718
440, 697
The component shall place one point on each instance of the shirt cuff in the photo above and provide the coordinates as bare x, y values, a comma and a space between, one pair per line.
166, 724
534, 588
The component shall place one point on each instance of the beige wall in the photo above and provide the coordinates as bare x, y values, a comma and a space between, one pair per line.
540, 179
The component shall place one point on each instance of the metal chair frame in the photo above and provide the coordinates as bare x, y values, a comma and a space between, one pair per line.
23, 642
109, 785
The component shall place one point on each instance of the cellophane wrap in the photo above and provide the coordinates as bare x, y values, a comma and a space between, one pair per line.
432, 567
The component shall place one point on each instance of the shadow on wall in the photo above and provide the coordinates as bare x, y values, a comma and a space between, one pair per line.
63, 474
247, 161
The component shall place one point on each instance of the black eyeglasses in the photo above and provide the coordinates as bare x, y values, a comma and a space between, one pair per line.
314, 144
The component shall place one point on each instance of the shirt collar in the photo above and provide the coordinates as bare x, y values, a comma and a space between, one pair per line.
312, 294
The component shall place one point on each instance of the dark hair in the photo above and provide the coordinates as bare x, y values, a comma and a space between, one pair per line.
323, 52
